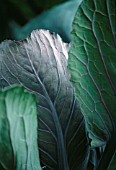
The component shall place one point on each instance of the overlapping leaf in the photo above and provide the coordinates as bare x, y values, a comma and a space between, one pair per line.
92, 65
18, 130
40, 64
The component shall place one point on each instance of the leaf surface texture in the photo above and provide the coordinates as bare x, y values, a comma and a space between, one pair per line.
39, 63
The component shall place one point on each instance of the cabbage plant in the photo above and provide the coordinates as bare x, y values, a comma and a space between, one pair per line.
60, 115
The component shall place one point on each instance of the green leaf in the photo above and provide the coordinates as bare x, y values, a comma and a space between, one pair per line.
18, 130
92, 64
58, 19
40, 64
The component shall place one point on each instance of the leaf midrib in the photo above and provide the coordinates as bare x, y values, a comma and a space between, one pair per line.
62, 155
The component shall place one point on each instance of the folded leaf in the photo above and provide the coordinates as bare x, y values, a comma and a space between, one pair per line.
40, 64
92, 64
18, 130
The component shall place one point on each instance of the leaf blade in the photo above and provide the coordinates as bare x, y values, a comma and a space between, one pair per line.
18, 121
93, 73
40, 64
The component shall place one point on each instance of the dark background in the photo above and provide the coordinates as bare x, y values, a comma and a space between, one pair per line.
21, 12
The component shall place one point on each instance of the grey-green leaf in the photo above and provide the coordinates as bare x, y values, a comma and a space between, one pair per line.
92, 64
18, 130
40, 64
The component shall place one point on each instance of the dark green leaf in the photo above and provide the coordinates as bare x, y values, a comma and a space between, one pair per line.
40, 64
18, 130
92, 65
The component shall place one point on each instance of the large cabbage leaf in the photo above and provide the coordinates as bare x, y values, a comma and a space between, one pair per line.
39, 63
92, 65
18, 130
